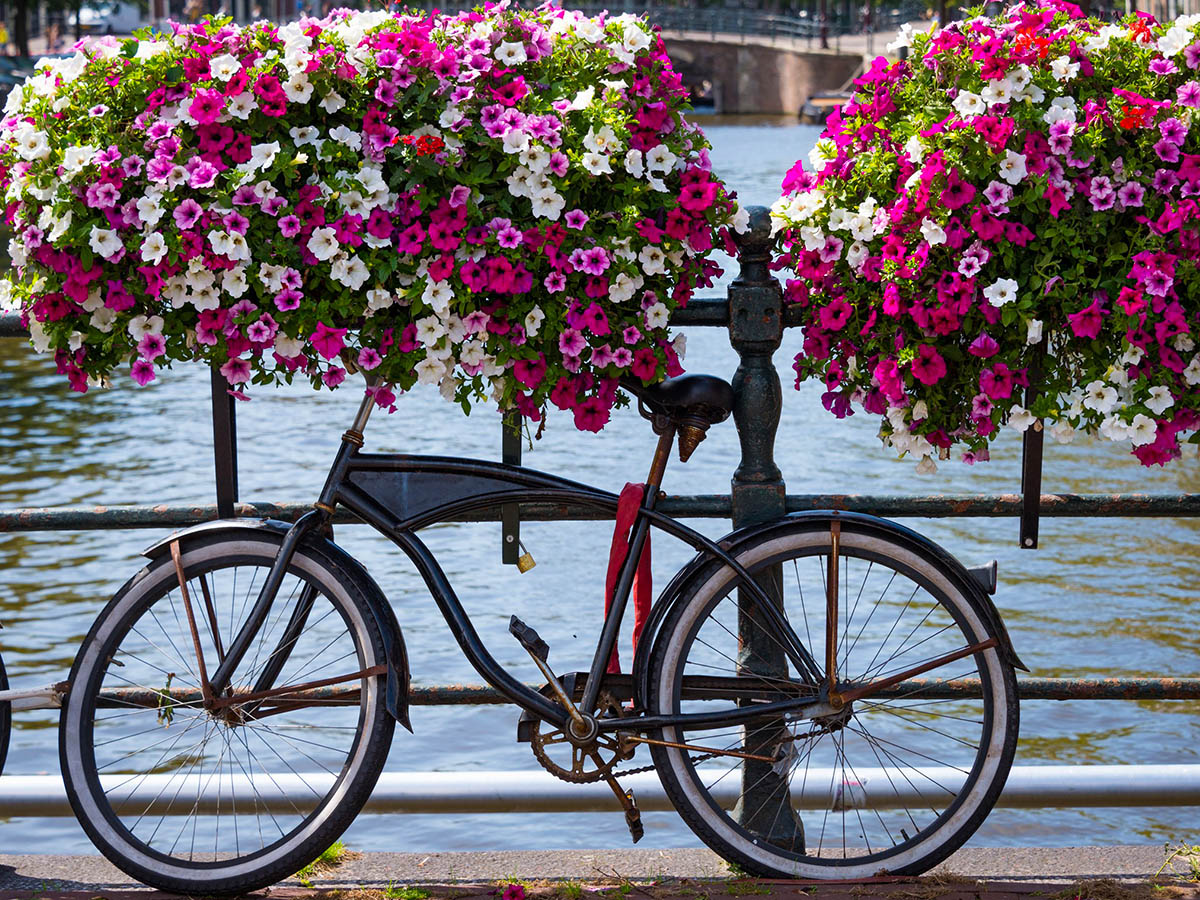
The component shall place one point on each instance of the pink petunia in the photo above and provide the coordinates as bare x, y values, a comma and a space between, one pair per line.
236, 370
142, 371
328, 341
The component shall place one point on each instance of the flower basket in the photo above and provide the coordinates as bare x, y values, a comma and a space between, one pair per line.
507, 204
1001, 229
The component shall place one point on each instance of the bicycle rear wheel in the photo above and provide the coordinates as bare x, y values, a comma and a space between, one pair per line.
238, 796
892, 782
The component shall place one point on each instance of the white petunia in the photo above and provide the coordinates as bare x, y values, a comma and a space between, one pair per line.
510, 53
224, 67
635, 163
1160, 400
596, 163
1192, 373
968, 104
1019, 418
1033, 331
104, 241
1062, 432
533, 321
1100, 396
1002, 291
1063, 69
332, 102
140, 326
660, 159
154, 248
933, 232
430, 371
323, 243
1012, 167
298, 88
1142, 430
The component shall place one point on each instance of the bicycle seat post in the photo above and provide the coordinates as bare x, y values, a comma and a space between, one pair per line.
666, 437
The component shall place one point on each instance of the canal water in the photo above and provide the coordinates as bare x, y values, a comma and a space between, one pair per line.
1102, 597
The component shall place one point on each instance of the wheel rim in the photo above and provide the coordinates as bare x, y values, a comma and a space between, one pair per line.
179, 786
889, 620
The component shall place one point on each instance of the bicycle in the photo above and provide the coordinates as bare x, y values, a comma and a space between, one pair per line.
251, 675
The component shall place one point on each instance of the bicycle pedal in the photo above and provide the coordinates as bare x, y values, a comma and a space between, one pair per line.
633, 816
528, 638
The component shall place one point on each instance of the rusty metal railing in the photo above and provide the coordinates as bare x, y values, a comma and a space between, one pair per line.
755, 315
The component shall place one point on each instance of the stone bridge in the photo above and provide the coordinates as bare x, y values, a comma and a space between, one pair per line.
748, 74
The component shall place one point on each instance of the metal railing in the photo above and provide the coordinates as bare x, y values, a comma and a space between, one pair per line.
755, 315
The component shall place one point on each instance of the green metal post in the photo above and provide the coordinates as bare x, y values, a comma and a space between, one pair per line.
755, 331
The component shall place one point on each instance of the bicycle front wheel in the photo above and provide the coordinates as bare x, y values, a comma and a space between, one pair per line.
894, 781
243, 793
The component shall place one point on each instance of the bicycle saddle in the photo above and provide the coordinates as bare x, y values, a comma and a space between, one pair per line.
691, 402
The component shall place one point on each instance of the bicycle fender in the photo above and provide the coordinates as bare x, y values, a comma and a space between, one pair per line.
397, 691
735, 541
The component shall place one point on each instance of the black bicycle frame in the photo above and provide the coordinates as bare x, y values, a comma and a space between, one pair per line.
398, 494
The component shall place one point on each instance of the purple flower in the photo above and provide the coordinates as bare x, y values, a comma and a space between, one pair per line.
159, 169
1163, 67
576, 219
246, 195
1165, 181
368, 359
1191, 55
290, 226
1131, 194
1189, 94
235, 222
142, 371
1173, 130
102, 196
236, 371
555, 282
288, 299
509, 237
571, 342
1102, 194
984, 346
593, 262
459, 195
1167, 151
203, 174
186, 213
151, 346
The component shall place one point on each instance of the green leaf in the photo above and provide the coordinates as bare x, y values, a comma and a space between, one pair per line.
129, 48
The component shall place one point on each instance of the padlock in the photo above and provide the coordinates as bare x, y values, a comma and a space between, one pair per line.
525, 560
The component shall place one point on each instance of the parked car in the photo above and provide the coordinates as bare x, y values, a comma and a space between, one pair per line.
110, 18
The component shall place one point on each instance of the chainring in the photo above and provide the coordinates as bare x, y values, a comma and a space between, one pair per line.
557, 755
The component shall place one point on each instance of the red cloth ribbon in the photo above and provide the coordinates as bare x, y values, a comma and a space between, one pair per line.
627, 510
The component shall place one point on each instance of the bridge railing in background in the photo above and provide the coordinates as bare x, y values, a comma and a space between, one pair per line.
755, 316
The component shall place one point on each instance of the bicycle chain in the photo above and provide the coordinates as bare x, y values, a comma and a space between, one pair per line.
702, 758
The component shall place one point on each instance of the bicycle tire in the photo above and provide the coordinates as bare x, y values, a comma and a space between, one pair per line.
746, 810
5, 718
127, 649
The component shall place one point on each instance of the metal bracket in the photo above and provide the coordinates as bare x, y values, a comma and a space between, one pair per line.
48, 697
510, 513
224, 445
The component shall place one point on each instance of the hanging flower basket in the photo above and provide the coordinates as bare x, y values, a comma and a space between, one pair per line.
1002, 229
507, 204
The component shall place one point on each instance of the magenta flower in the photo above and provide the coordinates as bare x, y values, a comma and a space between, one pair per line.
1131, 194
997, 382
206, 106
151, 346
290, 226
187, 213
236, 370
929, 367
335, 376
142, 371
576, 219
328, 341
983, 346
571, 342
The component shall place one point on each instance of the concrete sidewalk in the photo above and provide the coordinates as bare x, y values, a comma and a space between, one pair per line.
1023, 871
